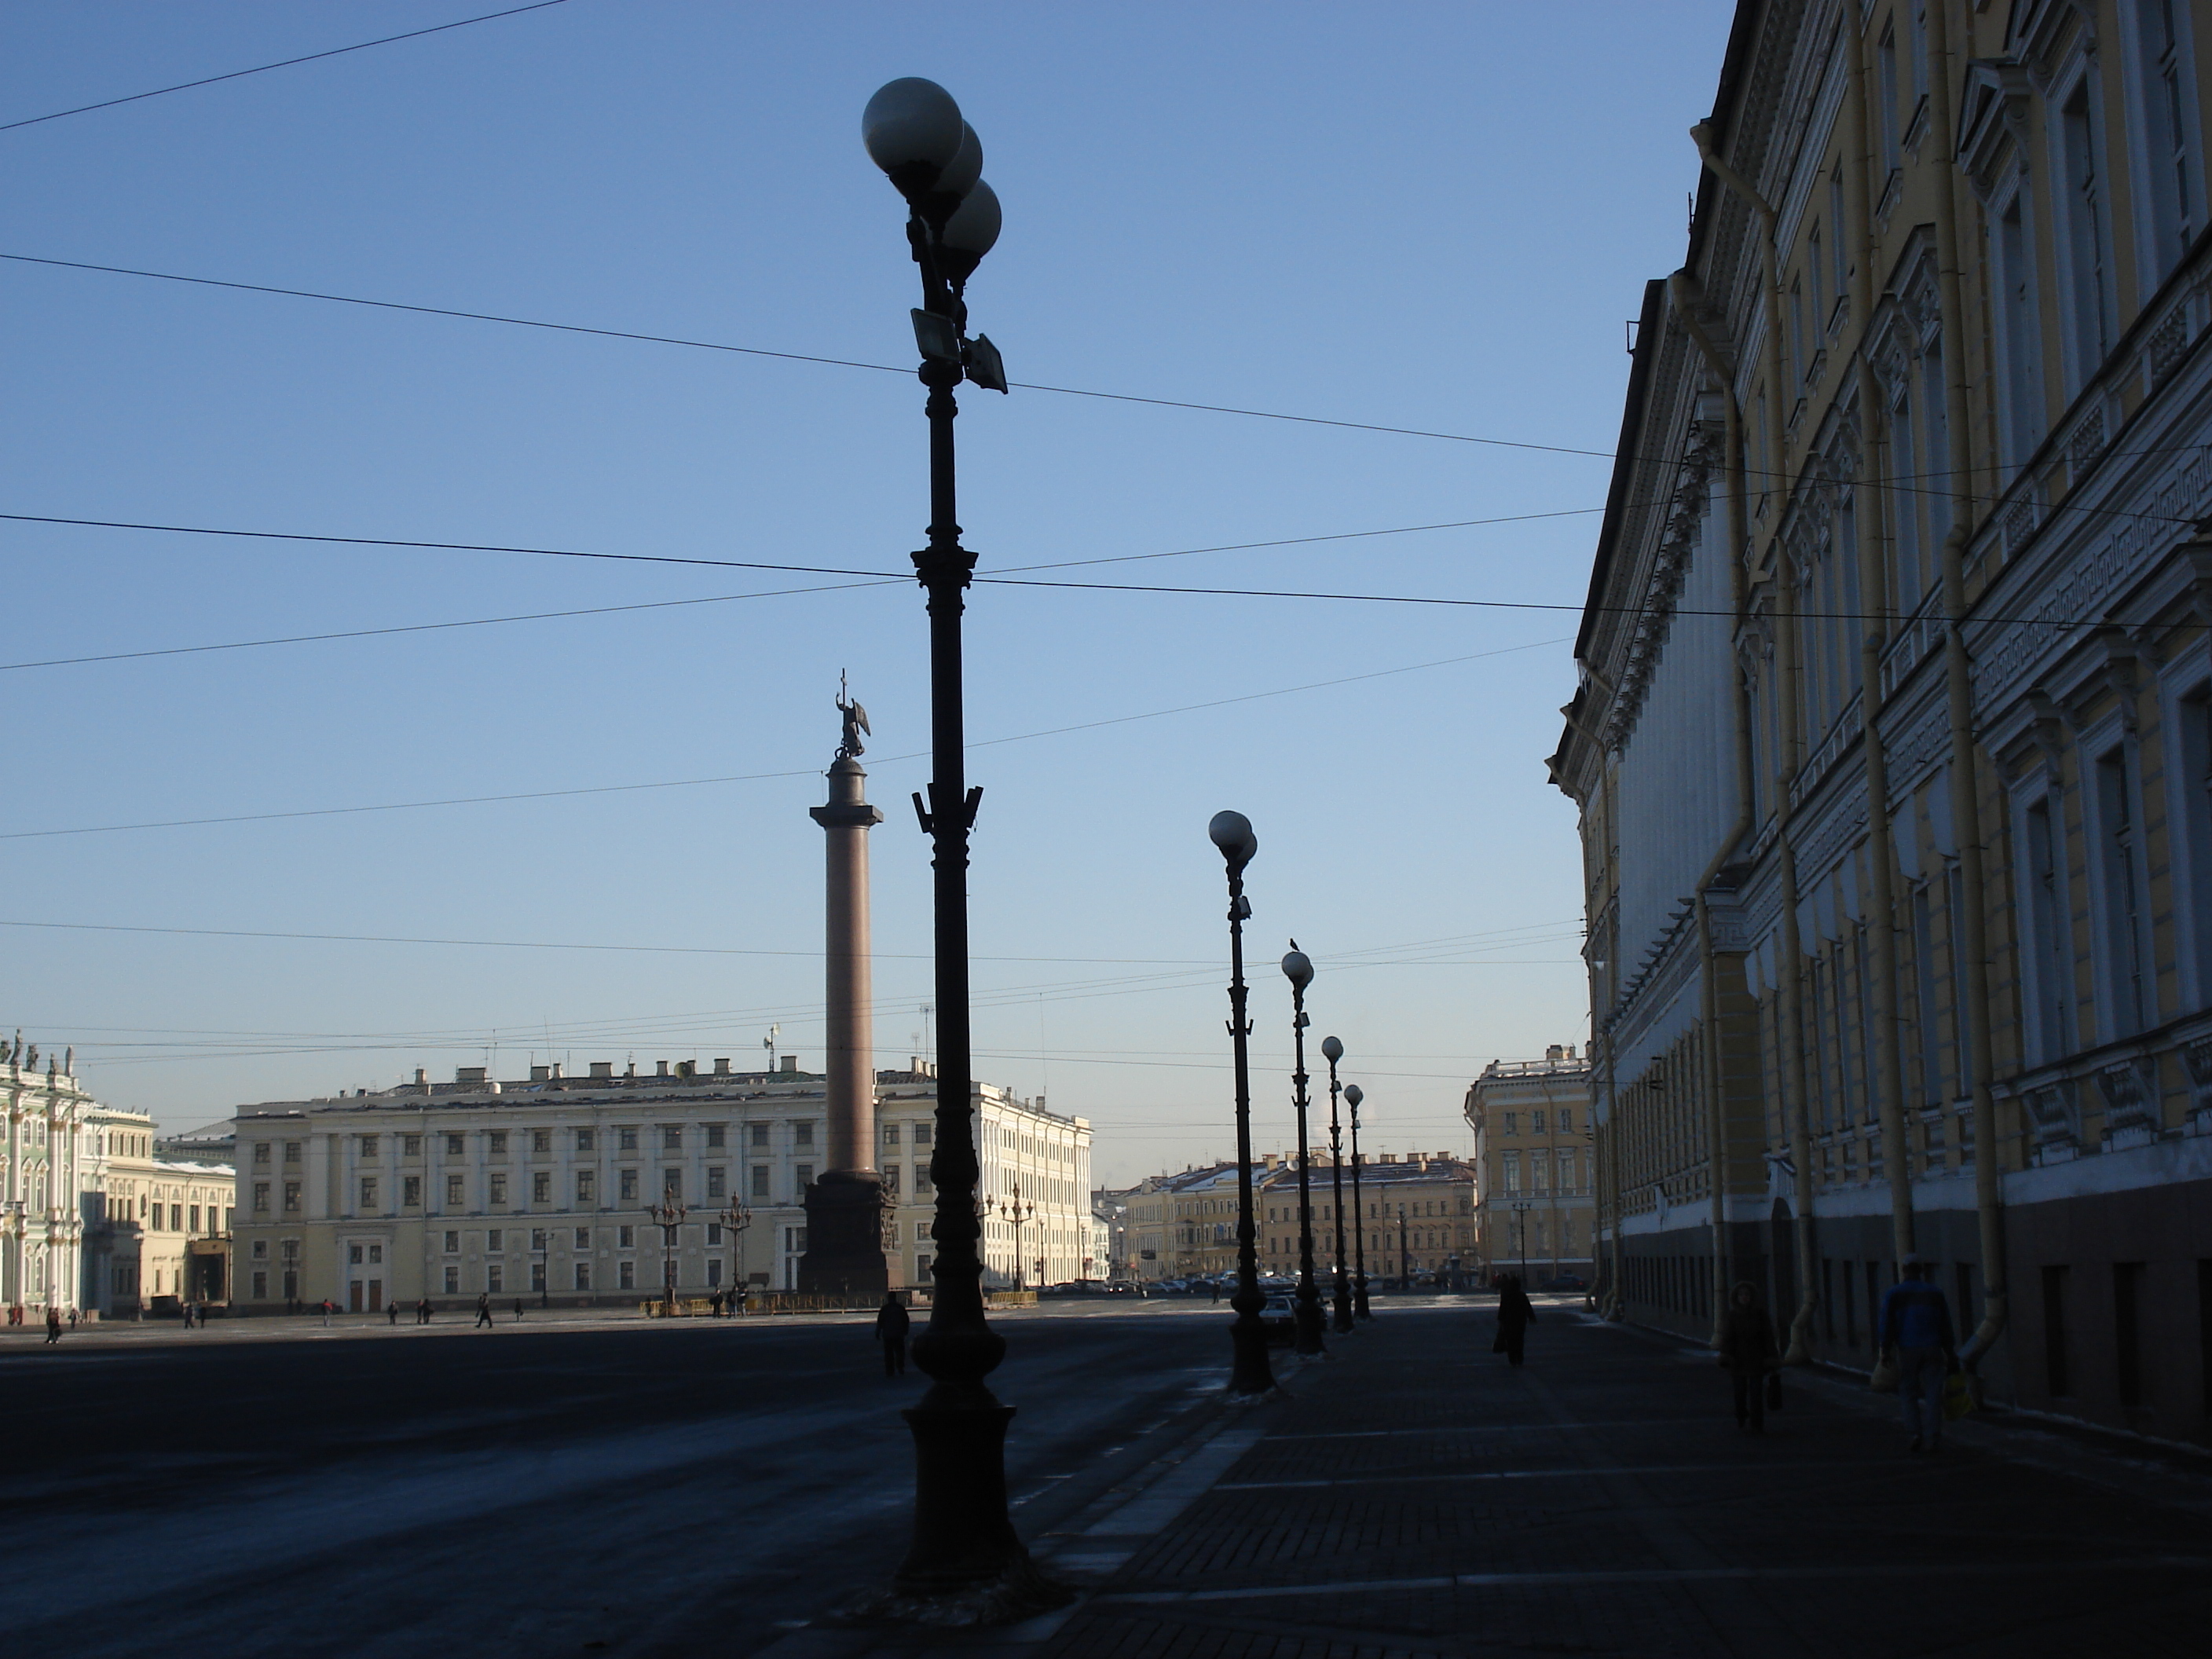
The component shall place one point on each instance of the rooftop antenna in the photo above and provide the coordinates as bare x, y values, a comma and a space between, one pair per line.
768, 1042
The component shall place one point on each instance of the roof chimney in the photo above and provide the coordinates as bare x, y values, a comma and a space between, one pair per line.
721, 1068
422, 1077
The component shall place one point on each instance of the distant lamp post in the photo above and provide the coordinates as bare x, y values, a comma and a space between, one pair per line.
966, 1555
1521, 1208
1298, 969
668, 1216
541, 1270
1250, 1373
1017, 1215
1333, 1051
1405, 1260
735, 1220
1354, 1094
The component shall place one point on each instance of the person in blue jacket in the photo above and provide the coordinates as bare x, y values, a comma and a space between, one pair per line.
1916, 1338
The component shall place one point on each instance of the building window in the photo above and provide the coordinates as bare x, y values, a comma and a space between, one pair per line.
921, 1134
891, 1135
718, 1181
368, 1192
627, 1139
498, 1182
453, 1242
672, 1138
714, 1234
802, 1134
625, 1238
760, 1181
498, 1139
410, 1146
1512, 1172
541, 1187
1513, 1123
891, 1179
2164, 117
760, 1134
453, 1281
260, 1153
260, 1286
716, 1135
456, 1191
583, 1275
537, 1277
454, 1146
924, 1182
496, 1240
2019, 354
541, 1140
261, 1198
586, 1141
410, 1191
804, 1174
586, 1185
2128, 986
494, 1278
2088, 261
627, 1180
368, 1145
629, 1271
714, 1274
291, 1198
291, 1152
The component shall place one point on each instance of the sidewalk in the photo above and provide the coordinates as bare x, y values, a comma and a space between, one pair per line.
1415, 1496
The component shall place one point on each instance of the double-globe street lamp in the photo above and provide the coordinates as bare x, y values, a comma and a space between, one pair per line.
1249, 1372
1341, 1322
964, 1551
1354, 1094
1298, 969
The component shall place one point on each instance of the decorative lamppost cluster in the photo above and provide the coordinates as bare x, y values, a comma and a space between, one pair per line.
1231, 833
668, 1216
965, 1562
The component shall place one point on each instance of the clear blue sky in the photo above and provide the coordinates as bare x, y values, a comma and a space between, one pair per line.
1420, 215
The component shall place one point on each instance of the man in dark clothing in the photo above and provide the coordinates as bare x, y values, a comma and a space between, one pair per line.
483, 1310
423, 1311
1748, 1352
1916, 1335
1514, 1315
518, 1311
53, 1324
891, 1322
392, 1312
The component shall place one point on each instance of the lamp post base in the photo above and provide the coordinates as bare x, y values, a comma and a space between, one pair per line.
1340, 1320
1249, 1372
1307, 1304
1359, 1297
967, 1565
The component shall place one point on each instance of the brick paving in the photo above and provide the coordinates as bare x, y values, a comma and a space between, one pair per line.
1414, 1496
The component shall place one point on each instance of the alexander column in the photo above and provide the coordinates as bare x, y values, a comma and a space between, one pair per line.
845, 1205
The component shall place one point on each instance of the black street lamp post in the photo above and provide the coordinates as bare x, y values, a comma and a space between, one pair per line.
1404, 1261
735, 1220
1333, 1051
1300, 970
1521, 1208
965, 1551
1250, 1373
542, 1267
1017, 1214
668, 1216
1354, 1094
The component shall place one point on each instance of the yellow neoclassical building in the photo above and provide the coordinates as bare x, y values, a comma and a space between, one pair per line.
1893, 737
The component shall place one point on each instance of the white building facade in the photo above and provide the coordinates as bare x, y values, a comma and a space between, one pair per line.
41, 1229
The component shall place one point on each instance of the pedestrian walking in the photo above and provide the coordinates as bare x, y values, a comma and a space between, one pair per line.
1748, 1353
713, 1304
891, 1322
1214, 1286
1515, 1315
518, 1311
1916, 1338
329, 1307
423, 1311
53, 1325
483, 1310
73, 1319
391, 1313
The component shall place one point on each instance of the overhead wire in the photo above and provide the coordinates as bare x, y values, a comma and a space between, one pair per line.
287, 62
759, 777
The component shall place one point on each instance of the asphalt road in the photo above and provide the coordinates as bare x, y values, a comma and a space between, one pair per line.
633, 1489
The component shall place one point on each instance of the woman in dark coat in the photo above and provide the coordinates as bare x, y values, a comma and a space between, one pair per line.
1747, 1354
1515, 1315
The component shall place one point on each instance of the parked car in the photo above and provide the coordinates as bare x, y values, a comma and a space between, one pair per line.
1564, 1282
1280, 1316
